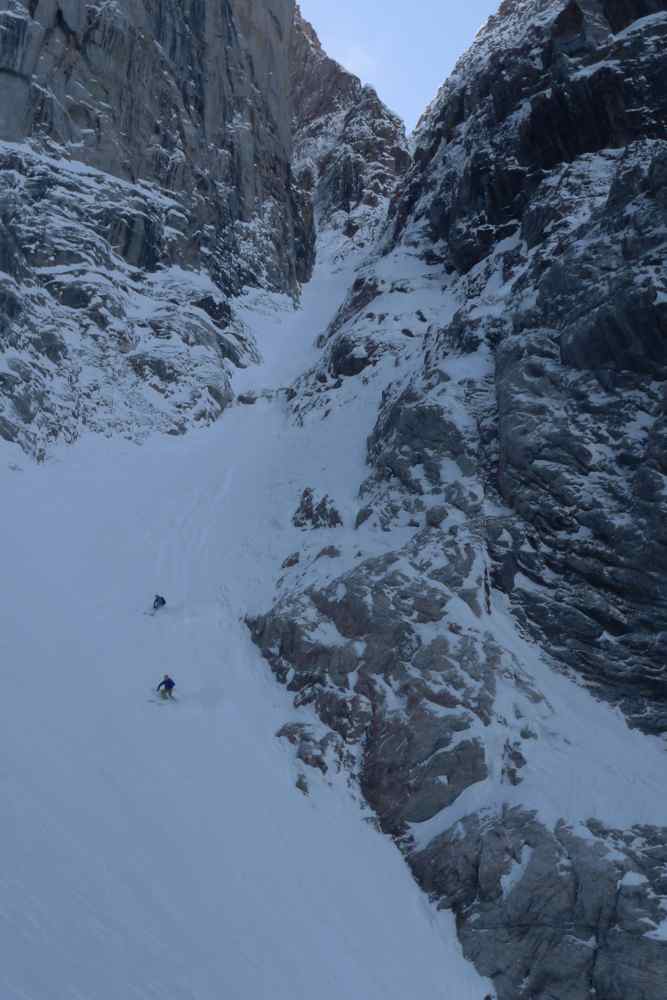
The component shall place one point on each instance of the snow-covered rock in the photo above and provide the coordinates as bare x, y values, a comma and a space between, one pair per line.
192, 97
349, 148
145, 178
105, 324
503, 355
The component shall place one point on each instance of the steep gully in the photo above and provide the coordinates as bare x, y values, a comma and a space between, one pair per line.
163, 850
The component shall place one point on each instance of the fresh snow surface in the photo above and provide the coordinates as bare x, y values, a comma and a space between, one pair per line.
154, 851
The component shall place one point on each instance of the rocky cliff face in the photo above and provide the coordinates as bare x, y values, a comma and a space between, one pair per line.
504, 580
154, 161
349, 149
566, 121
191, 97
145, 177
103, 326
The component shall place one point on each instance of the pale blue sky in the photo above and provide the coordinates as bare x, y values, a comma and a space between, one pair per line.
405, 49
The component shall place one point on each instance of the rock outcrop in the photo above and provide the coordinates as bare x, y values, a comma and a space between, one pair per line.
102, 326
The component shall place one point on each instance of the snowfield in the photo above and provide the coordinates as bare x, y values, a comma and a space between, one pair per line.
154, 851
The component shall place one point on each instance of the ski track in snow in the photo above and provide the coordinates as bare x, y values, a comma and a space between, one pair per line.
155, 851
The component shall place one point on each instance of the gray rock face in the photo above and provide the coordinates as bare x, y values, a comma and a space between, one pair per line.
588, 479
568, 169
193, 98
512, 511
545, 83
312, 514
382, 611
145, 178
349, 148
555, 896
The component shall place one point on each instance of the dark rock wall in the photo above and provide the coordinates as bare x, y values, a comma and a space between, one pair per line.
145, 178
556, 143
535, 93
193, 97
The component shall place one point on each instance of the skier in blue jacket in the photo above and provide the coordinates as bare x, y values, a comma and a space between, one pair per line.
166, 687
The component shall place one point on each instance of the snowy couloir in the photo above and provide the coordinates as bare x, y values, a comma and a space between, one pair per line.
387, 418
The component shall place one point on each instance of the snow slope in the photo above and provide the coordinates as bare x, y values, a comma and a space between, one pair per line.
162, 852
